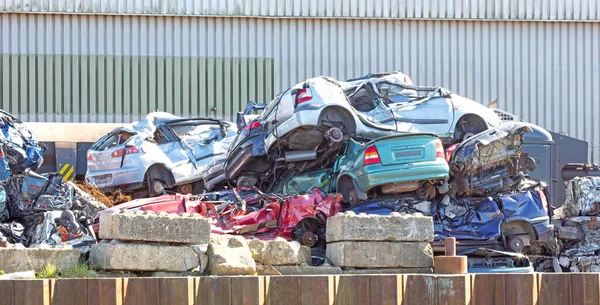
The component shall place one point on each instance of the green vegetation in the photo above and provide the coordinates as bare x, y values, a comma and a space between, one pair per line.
80, 270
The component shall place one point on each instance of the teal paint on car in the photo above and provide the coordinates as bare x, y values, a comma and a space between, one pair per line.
394, 164
391, 164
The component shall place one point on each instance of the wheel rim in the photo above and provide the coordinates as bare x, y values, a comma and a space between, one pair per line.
157, 187
516, 244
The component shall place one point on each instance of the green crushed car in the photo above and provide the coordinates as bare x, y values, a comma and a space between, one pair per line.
402, 163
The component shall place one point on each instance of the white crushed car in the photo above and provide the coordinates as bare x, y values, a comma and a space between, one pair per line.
162, 151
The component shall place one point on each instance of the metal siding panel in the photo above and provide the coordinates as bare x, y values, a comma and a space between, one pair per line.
101, 89
194, 84
110, 89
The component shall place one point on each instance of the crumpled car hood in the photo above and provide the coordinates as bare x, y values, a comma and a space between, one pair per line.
490, 161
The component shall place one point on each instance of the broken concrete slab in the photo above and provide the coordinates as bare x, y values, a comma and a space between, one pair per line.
388, 271
117, 255
25, 259
306, 269
373, 254
147, 226
230, 255
279, 252
394, 227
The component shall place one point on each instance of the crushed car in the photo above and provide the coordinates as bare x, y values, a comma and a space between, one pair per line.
162, 151
489, 162
251, 213
387, 166
19, 148
306, 126
512, 221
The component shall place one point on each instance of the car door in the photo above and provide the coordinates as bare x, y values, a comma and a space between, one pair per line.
203, 137
179, 156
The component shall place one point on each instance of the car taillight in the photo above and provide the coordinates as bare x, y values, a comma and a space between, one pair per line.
439, 149
449, 151
90, 156
372, 156
543, 199
1, 154
303, 96
126, 151
252, 125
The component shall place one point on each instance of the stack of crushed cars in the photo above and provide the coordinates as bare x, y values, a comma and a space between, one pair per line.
39, 210
377, 145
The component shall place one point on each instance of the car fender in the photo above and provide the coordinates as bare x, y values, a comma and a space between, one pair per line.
361, 195
463, 106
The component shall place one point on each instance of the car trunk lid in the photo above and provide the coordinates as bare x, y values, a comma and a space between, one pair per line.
406, 148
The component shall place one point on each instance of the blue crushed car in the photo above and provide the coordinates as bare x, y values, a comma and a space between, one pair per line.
512, 220
20, 148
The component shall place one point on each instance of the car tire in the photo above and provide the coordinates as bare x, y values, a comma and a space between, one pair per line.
515, 243
156, 188
467, 127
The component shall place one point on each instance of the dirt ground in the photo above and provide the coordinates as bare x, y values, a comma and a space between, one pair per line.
109, 200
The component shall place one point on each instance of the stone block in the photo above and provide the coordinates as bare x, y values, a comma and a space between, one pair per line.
230, 255
25, 259
388, 271
148, 226
373, 254
146, 257
394, 227
305, 269
279, 252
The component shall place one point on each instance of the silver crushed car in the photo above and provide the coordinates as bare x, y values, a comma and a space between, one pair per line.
162, 151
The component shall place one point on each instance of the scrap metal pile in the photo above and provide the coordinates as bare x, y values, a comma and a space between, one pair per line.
39, 210
376, 144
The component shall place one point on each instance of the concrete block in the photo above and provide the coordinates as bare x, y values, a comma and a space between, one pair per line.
25, 259
373, 254
394, 227
146, 257
305, 269
279, 252
230, 255
148, 226
388, 271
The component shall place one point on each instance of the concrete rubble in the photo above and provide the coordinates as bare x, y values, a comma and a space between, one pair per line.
133, 256
279, 252
302, 269
135, 242
371, 241
20, 259
230, 255
394, 227
148, 226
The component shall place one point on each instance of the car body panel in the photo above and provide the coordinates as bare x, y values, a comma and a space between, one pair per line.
185, 147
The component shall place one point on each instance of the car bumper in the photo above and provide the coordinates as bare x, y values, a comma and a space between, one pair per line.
374, 175
304, 117
123, 178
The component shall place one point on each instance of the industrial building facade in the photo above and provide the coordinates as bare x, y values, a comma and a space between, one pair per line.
114, 61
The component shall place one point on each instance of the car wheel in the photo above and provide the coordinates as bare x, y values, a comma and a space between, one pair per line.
185, 188
595, 209
467, 127
515, 243
156, 188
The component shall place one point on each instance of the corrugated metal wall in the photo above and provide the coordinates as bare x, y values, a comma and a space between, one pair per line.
432, 9
545, 72
99, 88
